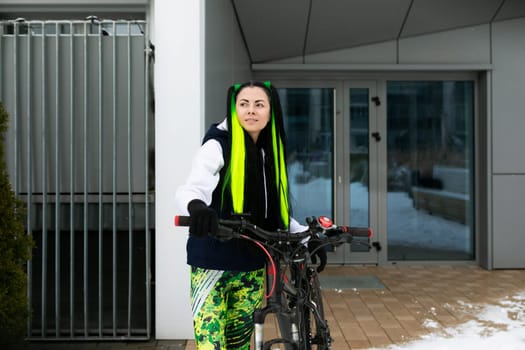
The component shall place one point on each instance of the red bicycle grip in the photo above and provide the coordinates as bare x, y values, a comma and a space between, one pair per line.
182, 220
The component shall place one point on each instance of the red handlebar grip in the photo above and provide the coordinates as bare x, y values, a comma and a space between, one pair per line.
182, 220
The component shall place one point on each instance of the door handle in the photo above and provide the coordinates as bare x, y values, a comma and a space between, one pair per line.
376, 100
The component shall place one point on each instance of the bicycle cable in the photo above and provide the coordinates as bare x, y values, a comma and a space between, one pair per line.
272, 263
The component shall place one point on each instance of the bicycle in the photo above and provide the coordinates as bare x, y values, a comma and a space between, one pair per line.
292, 283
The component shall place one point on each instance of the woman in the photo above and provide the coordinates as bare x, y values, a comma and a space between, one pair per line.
240, 168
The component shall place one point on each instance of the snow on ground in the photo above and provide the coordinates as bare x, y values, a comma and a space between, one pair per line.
499, 326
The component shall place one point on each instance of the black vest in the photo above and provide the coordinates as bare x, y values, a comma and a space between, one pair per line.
236, 254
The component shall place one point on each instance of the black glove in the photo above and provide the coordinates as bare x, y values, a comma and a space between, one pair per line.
203, 219
315, 246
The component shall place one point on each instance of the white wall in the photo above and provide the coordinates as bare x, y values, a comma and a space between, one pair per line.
469, 45
508, 143
199, 54
179, 119
509, 94
227, 61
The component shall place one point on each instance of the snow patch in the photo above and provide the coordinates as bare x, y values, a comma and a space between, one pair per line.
496, 325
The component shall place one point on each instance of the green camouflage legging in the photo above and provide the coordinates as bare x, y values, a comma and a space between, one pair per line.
222, 305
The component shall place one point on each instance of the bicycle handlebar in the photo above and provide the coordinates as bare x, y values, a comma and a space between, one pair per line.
229, 229
232, 228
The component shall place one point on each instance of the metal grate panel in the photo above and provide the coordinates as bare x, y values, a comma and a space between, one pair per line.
78, 150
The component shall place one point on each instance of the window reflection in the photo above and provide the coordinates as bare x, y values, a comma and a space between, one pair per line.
359, 164
308, 118
359, 157
430, 167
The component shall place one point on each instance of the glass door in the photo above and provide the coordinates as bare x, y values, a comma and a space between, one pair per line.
396, 156
430, 166
356, 182
332, 146
309, 124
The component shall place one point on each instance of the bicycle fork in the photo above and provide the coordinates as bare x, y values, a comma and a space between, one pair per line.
277, 304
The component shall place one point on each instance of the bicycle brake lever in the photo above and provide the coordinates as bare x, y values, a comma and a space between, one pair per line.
331, 233
225, 234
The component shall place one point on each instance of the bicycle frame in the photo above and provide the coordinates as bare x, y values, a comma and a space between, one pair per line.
294, 298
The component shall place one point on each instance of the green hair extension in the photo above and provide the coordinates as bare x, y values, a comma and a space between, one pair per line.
281, 177
280, 173
237, 161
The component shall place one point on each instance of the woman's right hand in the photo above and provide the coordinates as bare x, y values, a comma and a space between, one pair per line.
203, 219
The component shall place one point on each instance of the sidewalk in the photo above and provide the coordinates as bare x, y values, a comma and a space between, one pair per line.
416, 301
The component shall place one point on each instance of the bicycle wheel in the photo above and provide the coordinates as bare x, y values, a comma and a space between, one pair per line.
305, 322
286, 317
319, 332
302, 321
304, 325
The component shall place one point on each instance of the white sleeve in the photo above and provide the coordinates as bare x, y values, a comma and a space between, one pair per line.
296, 226
203, 178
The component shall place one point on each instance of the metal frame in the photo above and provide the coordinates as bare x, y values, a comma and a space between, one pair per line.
54, 181
298, 75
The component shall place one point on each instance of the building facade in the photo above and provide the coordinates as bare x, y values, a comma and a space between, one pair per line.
406, 119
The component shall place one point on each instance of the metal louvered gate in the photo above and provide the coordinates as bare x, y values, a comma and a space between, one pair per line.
79, 152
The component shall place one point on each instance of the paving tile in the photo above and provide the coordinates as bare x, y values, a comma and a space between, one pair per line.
340, 346
379, 341
397, 335
353, 333
388, 321
372, 329
417, 300
359, 344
